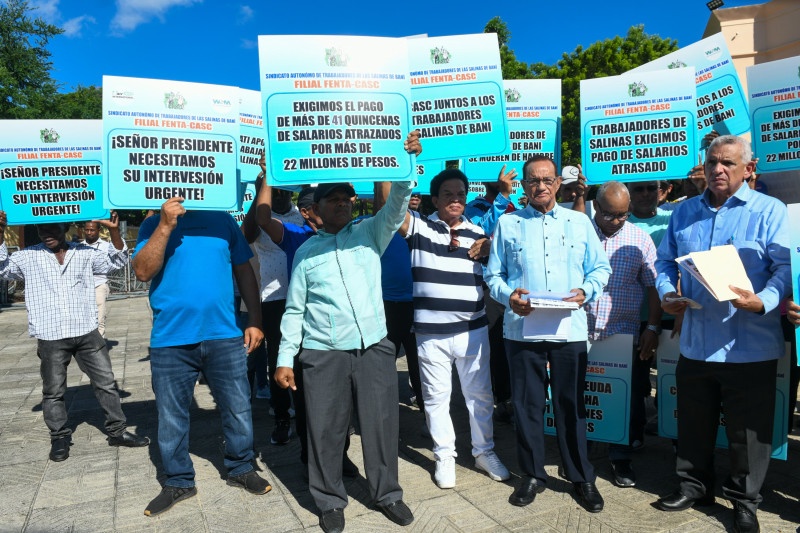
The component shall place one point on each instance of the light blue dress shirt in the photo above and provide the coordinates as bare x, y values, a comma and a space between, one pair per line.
485, 215
758, 226
556, 252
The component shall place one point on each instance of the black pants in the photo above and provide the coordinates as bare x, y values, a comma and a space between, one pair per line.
747, 394
332, 381
528, 364
91, 353
271, 315
399, 320
794, 372
498, 362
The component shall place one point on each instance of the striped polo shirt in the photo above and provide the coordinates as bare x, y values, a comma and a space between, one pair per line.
448, 286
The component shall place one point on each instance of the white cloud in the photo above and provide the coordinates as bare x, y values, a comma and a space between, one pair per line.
73, 27
246, 13
249, 44
47, 9
132, 13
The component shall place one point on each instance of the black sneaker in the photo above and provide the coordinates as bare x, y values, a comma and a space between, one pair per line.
59, 449
251, 482
624, 476
282, 432
169, 496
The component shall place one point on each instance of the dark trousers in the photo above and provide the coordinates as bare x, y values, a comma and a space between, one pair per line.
91, 353
399, 320
747, 394
300, 424
794, 372
498, 362
271, 315
332, 380
528, 364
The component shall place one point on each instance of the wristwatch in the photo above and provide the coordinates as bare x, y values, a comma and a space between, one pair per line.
655, 329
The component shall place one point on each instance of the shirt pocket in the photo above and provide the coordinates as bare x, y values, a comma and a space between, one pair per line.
574, 254
320, 271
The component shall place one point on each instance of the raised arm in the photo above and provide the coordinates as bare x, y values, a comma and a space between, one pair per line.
148, 261
8, 269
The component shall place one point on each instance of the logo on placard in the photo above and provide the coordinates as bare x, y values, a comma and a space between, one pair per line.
121, 95
637, 89
173, 100
49, 135
334, 57
440, 55
713, 53
221, 104
512, 95
677, 64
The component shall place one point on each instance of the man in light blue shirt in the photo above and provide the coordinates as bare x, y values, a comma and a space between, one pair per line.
334, 311
547, 248
729, 349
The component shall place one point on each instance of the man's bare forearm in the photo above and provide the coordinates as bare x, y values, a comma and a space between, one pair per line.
248, 288
149, 260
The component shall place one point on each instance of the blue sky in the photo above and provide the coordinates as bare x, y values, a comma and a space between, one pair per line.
214, 41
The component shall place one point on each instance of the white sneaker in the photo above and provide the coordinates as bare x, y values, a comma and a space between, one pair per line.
445, 475
490, 463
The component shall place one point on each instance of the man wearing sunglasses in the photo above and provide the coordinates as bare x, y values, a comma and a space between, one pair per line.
633, 275
542, 248
451, 325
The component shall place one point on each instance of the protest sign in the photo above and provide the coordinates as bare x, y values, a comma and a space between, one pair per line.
457, 96
51, 170
336, 108
638, 127
667, 361
533, 110
248, 195
721, 102
774, 94
794, 248
607, 391
164, 139
251, 134
426, 171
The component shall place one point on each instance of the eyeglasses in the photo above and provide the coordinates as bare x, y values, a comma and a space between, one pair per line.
534, 182
454, 244
642, 188
608, 217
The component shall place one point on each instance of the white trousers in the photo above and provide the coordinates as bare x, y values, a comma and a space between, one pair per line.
101, 294
470, 353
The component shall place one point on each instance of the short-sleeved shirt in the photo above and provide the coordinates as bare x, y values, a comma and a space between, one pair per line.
192, 294
272, 260
293, 238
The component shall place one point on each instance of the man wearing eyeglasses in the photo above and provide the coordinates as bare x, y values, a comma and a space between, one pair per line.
729, 349
542, 248
633, 275
451, 325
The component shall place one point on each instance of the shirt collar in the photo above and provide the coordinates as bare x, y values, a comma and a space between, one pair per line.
742, 195
555, 212
435, 218
602, 235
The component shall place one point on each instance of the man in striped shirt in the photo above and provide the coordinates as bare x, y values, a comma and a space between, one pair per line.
451, 325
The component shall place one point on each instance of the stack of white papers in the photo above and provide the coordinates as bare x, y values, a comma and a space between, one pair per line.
717, 268
551, 319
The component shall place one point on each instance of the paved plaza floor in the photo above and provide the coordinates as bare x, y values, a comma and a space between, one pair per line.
102, 488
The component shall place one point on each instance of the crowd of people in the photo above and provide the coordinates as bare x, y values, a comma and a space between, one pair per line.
319, 306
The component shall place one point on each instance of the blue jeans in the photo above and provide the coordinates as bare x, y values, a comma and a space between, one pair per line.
175, 371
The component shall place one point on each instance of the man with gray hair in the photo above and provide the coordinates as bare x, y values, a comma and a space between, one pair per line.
632, 255
729, 349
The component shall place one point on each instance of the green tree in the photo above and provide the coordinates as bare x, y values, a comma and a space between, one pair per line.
82, 103
25, 83
512, 69
611, 57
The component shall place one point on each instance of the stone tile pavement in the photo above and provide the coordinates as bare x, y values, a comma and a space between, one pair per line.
101, 488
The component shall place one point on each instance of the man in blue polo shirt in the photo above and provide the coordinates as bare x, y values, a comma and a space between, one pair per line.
190, 256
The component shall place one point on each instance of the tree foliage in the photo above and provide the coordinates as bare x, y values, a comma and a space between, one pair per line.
82, 103
512, 69
610, 57
25, 83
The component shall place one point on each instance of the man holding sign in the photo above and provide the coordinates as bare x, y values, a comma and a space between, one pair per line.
62, 313
547, 248
191, 258
334, 311
729, 349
